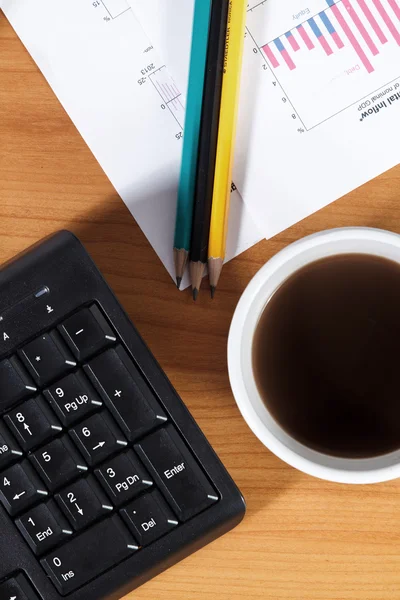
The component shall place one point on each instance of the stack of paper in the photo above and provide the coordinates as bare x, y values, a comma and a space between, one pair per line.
320, 101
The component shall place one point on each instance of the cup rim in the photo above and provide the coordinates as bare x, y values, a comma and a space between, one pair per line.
356, 470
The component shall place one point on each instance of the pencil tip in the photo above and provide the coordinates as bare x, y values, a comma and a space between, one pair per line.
195, 294
178, 282
212, 288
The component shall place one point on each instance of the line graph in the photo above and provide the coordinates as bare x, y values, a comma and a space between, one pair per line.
331, 54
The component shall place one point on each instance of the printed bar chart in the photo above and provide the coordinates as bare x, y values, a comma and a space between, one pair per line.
343, 22
169, 93
335, 54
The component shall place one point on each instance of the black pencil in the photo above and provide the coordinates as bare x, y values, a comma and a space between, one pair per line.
208, 142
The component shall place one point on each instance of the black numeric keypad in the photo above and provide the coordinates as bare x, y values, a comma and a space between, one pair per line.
91, 466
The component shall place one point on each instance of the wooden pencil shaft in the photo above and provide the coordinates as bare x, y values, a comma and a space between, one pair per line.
209, 131
194, 102
227, 129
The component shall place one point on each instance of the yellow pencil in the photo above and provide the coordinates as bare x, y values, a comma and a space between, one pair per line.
226, 139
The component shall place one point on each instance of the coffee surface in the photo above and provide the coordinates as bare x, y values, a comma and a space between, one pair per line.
326, 355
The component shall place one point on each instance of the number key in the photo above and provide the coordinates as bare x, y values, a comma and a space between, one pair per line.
32, 423
20, 487
43, 527
83, 502
72, 398
9, 449
123, 477
97, 438
58, 462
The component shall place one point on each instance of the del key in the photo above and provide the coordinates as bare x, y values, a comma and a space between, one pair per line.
176, 471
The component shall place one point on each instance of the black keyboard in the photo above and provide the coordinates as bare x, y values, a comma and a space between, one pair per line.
105, 478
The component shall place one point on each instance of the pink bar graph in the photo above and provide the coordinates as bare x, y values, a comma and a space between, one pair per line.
305, 37
395, 8
337, 39
352, 39
387, 20
288, 60
271, 56
372, 21
360, 26
293, 42
325, 45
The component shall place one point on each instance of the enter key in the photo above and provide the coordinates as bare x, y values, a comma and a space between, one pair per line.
176, 472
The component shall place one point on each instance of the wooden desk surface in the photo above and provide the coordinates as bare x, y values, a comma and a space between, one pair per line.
302, 539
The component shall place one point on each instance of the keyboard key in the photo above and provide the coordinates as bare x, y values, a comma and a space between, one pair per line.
89, 554
97, 438
149, 517
58, 462
20, 487
32, 423
83, 502
125, 392
72, 398
15, 383
47, 357
43, 527
123, 477
176, 471
9, 449
87, 332
17, 588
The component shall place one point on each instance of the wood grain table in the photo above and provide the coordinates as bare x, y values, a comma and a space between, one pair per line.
302, 539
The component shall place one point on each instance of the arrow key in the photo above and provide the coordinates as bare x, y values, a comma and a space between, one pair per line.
32, 423
97, 438
17, 588
83, 502
20, 487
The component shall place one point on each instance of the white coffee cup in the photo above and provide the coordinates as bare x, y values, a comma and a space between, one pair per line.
346, 240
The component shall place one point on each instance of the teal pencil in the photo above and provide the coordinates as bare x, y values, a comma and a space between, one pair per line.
194, 102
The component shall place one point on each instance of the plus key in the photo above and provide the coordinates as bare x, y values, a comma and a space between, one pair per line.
126, 392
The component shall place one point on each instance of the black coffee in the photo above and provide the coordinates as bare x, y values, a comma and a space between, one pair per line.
326, 355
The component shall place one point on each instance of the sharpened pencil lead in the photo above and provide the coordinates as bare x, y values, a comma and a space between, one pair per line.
212, 290
178, 282
195, 294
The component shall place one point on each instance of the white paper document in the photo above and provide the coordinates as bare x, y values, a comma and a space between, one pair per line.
109, 78
320, 99
168, 23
